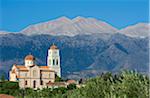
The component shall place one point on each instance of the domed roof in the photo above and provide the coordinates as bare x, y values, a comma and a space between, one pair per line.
29, 57
53, 47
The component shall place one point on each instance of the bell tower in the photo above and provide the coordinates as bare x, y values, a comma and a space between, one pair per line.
53, 59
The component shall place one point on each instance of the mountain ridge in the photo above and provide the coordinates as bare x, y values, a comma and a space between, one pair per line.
69, 27
83, 25
86, 54
141, 29
93, 47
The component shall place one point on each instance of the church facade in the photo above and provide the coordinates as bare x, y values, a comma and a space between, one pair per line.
34, 76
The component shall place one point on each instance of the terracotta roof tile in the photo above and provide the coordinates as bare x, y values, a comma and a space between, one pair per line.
6, 96
21, 68
56, 83
45, 68
20, 77
30, 57
71, 82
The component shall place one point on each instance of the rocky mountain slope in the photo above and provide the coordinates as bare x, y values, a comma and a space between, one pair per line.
81, 55
82, 26
70, 27
138, 30
88, 46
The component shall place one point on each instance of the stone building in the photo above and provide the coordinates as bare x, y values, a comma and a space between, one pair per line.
35, 76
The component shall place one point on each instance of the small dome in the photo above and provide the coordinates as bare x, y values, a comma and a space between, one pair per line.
53, 47
30, 57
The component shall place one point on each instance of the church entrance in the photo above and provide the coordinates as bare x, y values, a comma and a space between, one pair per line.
34, 84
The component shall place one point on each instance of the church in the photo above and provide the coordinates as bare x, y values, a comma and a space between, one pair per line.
31, 75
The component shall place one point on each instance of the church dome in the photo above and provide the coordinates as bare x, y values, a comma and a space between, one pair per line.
53, 47
30, 57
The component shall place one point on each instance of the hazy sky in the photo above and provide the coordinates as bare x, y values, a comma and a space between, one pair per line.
17, 14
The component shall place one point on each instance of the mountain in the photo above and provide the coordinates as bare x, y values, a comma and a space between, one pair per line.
5, 32
88, 46
70, 27
82, 56
137, 30
81, 26
64, 26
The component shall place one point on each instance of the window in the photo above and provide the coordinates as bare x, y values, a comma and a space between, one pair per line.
31, 62
53, 62
25, 74
34, 84
26, 83
57, 62
41, 82
49, 75
34, 73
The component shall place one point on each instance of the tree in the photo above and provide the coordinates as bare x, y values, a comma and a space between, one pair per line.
81, 81
71, 86
3, 77
8, 87
57, 78
128, 84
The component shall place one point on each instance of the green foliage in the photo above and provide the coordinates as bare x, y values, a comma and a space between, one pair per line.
58, 79
133, 85
128, 84
71, 86
2, 78
7, 87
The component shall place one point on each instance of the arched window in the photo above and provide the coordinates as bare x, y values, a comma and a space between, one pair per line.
26, 83
41, 82
34, 73
57, 62
53, 61
34, 84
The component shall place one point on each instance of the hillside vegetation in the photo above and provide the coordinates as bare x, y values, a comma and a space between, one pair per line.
127, 84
